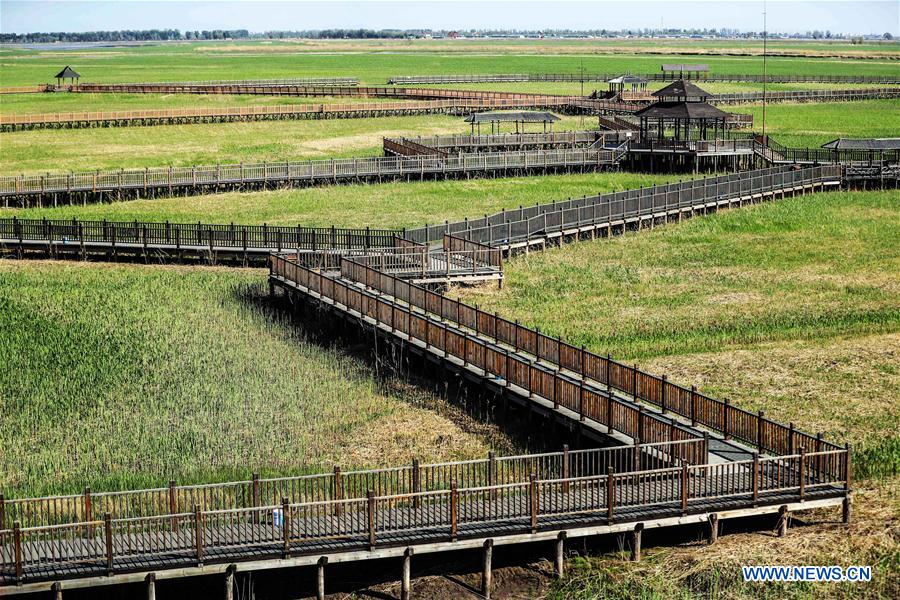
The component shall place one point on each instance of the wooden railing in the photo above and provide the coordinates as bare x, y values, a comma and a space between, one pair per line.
485, 352
512, 339
481, 253
603, 77
807, 95
506, 226
337, 485
163, 179
281, 528
12, 121
270, 237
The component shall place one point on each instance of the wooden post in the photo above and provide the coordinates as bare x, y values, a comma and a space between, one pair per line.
416, 483
534, 501
693, 406
337, 492
845, 506
2, 512
801, 473
487, 577
664, 378
56, 590
17, 542
610, 494
561, 555
782, 526
725, 419
713, 528
88, 510
755, 479
229, 582
370, 495
198, 534
565, 468
684, 489
286, 527
150, 581
405, 586
107, 528
759, 430
636, 542
173, 504
454, 511
320, 578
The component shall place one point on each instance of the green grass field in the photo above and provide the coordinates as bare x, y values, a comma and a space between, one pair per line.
30, 152
374, 62
128, 375
118, 377
377, 205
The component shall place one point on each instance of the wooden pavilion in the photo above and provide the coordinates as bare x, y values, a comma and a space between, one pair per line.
682, 109
67, 73
520, 118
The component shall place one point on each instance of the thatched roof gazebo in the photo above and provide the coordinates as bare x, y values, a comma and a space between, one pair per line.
682, 108
67, 73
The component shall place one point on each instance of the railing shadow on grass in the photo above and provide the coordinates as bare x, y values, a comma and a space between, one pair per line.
389, 366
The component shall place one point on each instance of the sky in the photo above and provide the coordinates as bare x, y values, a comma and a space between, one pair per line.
839, 16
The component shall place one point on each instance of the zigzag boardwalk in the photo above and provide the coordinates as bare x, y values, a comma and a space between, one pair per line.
676, 456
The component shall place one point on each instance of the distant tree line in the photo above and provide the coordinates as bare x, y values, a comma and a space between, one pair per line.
341, 34
225, 34
126, 35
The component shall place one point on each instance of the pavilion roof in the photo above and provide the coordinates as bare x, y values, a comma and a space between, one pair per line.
863, 144
682, 110
67, 73
681, 89
627, 79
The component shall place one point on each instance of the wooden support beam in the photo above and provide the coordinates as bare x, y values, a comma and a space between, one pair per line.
320, 578
636, 542
560, 562
783, 517
487, 576
405, 585
229, 582
56, 590
713, 521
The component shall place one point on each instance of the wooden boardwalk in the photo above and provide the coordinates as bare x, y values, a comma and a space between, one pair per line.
356, 110
166, 181
604, 77
682, 457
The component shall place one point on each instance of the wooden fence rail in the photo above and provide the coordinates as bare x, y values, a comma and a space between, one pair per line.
603, 77
164, 180
521, 223
284, 527
173, 499
271, 237
10, 122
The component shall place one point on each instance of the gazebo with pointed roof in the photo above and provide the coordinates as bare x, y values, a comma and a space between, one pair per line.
67, 73
682, 107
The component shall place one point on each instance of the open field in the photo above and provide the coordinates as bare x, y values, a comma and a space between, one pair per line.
67, 102
375, 61
383, 205
723, 301
29, 152
123, 376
